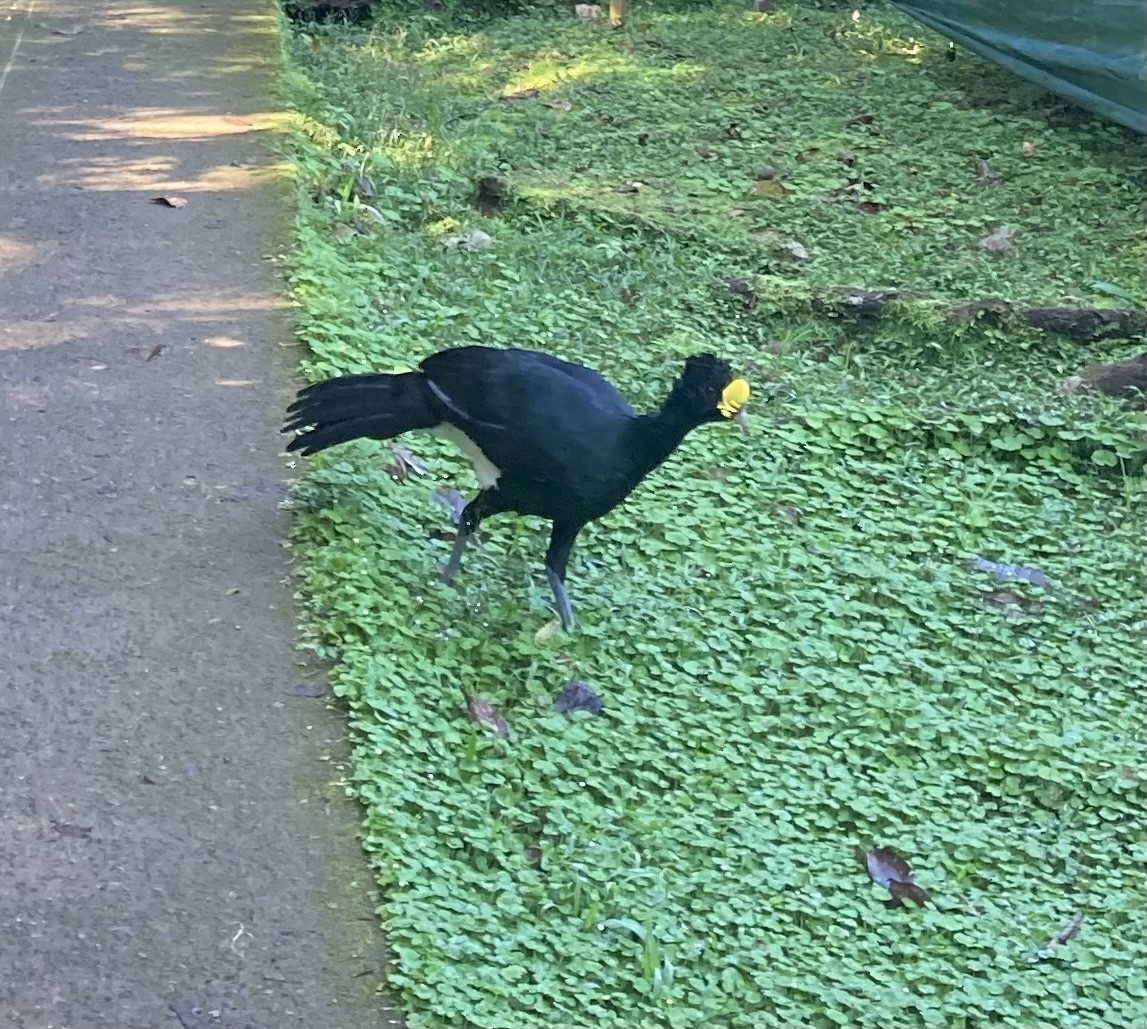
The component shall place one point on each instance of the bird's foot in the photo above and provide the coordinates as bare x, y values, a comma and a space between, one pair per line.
561, 601
451, 569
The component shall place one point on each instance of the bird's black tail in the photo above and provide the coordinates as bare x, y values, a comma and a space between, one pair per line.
359, 406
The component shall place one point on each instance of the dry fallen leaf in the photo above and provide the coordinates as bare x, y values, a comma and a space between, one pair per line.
523, 94
558, 105
888, 869
76, 832
483, 712
169, 201
770, 188
869, 207
546, 631
1011, 605
576, 695
404, 463
998, 242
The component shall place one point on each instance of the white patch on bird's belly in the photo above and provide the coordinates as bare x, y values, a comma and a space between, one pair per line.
485, 469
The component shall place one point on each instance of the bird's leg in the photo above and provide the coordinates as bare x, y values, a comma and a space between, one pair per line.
557, 557
451, 569
468, 523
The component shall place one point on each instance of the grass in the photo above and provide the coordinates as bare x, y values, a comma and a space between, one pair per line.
796, 655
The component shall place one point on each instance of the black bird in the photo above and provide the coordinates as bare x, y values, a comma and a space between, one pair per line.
545, 437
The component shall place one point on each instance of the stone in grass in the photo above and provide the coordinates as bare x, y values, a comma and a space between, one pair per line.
575, 695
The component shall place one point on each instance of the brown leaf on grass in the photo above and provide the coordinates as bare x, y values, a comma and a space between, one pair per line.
154, 353
576, 695
407, 461
523, 94
546, 632
888, 869
169, 201
404, 463
770, 188
484, 713
862, 118
452, 500
869, 207
342, 230
558, 105
998, 242
1011, 605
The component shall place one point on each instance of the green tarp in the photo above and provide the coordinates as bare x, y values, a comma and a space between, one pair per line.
1093, 52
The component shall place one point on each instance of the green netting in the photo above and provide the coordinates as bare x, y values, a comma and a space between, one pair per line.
1091, 51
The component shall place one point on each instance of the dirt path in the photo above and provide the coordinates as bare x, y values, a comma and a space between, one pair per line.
171, 849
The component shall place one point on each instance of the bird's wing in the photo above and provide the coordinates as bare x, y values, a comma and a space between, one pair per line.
529, 412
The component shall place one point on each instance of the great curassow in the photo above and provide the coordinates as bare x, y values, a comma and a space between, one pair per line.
545, 437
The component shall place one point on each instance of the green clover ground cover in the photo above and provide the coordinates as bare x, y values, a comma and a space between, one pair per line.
796, 657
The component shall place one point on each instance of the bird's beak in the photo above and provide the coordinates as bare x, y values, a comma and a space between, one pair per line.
741, 420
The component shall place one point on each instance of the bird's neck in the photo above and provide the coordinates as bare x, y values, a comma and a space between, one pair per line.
656, 436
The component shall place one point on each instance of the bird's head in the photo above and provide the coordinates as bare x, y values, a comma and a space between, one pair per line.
708, 390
